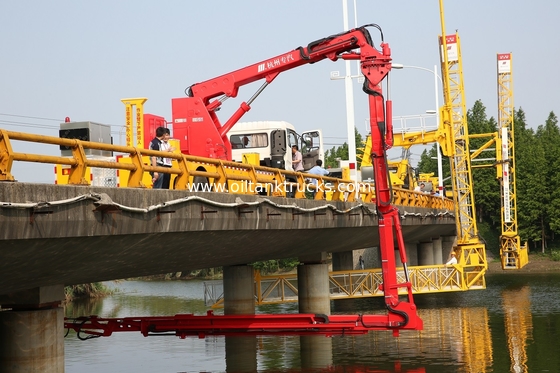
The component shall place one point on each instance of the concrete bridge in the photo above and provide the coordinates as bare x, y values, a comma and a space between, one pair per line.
65, 235
58, 235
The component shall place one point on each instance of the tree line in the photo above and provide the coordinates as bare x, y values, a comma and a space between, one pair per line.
536, 163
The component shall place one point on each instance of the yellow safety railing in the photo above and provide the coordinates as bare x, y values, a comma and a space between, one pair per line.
353, 284
220, 175
282, 288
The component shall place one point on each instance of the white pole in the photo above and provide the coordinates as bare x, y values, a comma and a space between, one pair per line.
356, 26
438, 147
349, 106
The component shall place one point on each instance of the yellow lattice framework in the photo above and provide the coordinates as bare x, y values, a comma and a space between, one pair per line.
513, 255
471, 250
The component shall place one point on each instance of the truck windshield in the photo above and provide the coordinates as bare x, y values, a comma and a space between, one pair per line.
250, 140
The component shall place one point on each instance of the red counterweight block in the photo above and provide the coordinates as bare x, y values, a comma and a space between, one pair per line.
151, 122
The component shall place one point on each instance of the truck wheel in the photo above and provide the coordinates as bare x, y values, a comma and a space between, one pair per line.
201, 184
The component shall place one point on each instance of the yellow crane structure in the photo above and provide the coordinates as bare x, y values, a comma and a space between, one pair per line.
470, 249
453, 137
401, 173
513, 255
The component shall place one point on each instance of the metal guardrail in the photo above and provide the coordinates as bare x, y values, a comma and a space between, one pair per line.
222, 176
352, 284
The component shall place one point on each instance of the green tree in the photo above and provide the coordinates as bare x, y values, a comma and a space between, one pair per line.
360, 143
341, 152
549, 136
274, 265
428, 164
485, 186
428, 161
531, 171
334, 154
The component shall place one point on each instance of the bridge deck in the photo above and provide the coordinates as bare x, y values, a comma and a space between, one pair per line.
54, 234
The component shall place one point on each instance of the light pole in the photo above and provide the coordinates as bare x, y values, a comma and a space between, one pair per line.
350, 120
436, 77
335, 75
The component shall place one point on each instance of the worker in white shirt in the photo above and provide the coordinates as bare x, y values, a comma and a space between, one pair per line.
452, 260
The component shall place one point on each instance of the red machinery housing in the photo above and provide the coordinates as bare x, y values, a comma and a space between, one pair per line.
200, 132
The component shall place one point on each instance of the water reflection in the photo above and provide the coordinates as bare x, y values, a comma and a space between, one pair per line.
512, 326
241, 354
518, 325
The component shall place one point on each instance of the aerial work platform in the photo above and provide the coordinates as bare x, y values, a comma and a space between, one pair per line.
351, 284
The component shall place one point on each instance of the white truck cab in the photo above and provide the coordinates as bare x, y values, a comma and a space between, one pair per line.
273, 141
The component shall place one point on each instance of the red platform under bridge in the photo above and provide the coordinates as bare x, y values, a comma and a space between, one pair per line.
184, 325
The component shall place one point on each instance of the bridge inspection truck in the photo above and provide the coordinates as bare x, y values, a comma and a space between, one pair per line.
264, 143
197, 127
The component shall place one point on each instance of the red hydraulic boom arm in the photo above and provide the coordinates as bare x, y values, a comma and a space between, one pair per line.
200, 107
195, 120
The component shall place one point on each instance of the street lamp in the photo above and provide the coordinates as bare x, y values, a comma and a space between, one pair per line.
436, 77
335, 75
350, 121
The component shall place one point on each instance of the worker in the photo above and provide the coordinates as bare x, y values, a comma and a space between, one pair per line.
361, 263
317, 170
241, 143
166, 147
297, 159
155, 144
452, 260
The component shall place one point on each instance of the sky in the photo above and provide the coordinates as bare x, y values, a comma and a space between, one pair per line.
78, 59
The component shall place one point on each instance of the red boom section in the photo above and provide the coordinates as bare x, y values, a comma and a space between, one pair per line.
210, 324
195, 121
390, 230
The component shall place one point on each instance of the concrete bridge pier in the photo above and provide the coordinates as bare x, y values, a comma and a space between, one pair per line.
425, 253
32, 331
313, 286
398, 261
371, 256
313, 290
345, 261
411, 249
239, 290
438, 254
447, 243
239, 299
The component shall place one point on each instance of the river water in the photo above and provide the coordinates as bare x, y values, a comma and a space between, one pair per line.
512, 326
